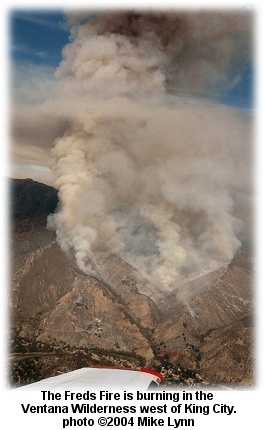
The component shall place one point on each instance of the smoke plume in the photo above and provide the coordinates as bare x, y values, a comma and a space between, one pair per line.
143, 172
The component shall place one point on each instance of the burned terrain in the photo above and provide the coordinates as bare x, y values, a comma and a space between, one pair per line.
61, 319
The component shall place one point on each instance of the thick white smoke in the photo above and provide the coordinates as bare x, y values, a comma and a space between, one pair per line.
141, 173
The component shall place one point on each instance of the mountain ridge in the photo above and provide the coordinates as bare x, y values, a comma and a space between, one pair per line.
79, 319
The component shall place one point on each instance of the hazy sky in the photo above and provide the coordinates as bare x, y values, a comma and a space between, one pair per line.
35, 51
37, 39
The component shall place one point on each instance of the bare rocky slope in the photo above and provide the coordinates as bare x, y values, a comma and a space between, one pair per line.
61, 319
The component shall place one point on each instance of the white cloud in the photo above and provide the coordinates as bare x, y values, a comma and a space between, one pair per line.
31, 83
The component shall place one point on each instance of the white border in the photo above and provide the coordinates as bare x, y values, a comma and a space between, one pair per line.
251, 401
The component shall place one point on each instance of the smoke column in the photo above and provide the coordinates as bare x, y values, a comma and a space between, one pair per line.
142, 172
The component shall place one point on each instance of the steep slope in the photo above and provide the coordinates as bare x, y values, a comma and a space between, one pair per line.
28, 197
214, 334
61, 319
53, 303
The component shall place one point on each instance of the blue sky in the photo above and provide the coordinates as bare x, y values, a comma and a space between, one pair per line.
242, 94
38, 37
36, 42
